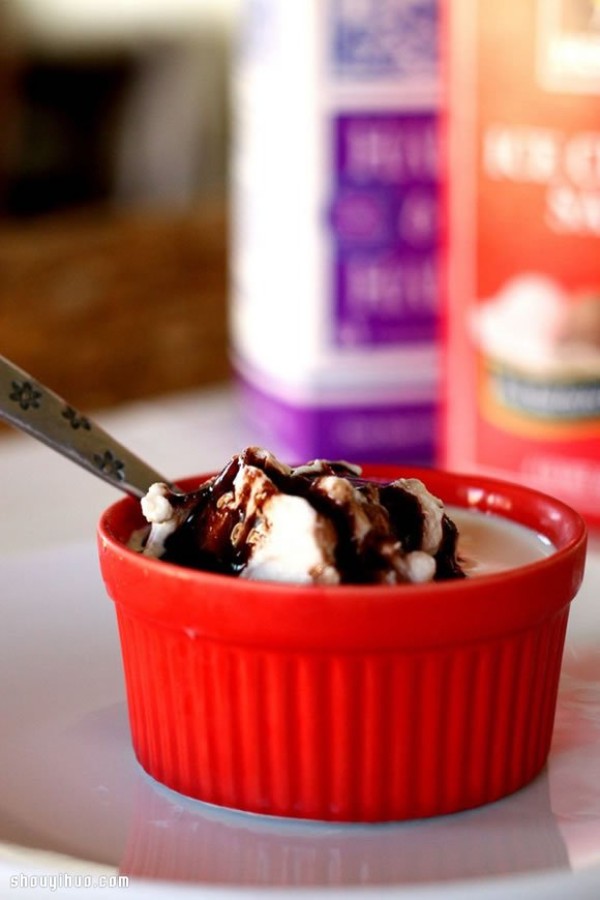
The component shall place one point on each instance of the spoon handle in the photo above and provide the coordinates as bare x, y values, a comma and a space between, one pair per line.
32, 407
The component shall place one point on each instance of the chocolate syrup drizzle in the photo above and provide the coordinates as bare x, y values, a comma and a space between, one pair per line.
203, 541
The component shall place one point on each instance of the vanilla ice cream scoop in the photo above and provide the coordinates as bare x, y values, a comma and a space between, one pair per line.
319, 523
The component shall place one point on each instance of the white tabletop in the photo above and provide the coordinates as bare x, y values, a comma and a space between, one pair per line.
74, 801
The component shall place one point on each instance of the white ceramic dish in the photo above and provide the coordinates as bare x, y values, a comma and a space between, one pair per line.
73, 799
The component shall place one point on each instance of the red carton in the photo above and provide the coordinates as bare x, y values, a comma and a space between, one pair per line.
522, 378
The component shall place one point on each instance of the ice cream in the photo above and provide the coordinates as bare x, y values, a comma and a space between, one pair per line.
318, 523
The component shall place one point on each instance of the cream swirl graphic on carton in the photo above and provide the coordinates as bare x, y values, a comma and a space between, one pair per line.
541, 350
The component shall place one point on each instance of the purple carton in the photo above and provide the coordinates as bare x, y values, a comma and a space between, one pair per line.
336, 237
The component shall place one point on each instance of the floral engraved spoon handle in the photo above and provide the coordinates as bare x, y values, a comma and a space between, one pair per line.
32, 407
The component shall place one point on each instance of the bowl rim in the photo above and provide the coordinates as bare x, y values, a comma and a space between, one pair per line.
487, 495
350, 618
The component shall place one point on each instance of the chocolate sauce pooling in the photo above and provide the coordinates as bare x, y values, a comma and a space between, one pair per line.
203, 541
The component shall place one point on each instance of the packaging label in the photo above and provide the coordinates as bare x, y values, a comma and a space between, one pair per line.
396, 38
384, 221
367, 432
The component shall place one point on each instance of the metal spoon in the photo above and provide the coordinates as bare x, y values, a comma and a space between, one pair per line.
32, 407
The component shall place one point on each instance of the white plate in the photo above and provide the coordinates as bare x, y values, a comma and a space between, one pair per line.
74, 803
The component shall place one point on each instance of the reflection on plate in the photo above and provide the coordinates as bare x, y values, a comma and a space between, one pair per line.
69, 783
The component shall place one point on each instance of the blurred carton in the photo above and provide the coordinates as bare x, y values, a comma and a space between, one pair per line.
335, 239
523, 356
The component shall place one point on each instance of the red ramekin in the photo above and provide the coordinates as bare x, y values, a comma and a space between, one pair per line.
347, 703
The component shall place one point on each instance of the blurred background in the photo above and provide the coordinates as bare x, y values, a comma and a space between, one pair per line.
115, 151
113, 171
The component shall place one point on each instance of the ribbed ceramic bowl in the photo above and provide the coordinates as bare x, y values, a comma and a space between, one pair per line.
348, 703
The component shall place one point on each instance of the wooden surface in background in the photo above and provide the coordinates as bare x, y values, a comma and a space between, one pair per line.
107, 307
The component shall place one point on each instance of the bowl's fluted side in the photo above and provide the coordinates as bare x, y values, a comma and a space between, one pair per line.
341, 736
